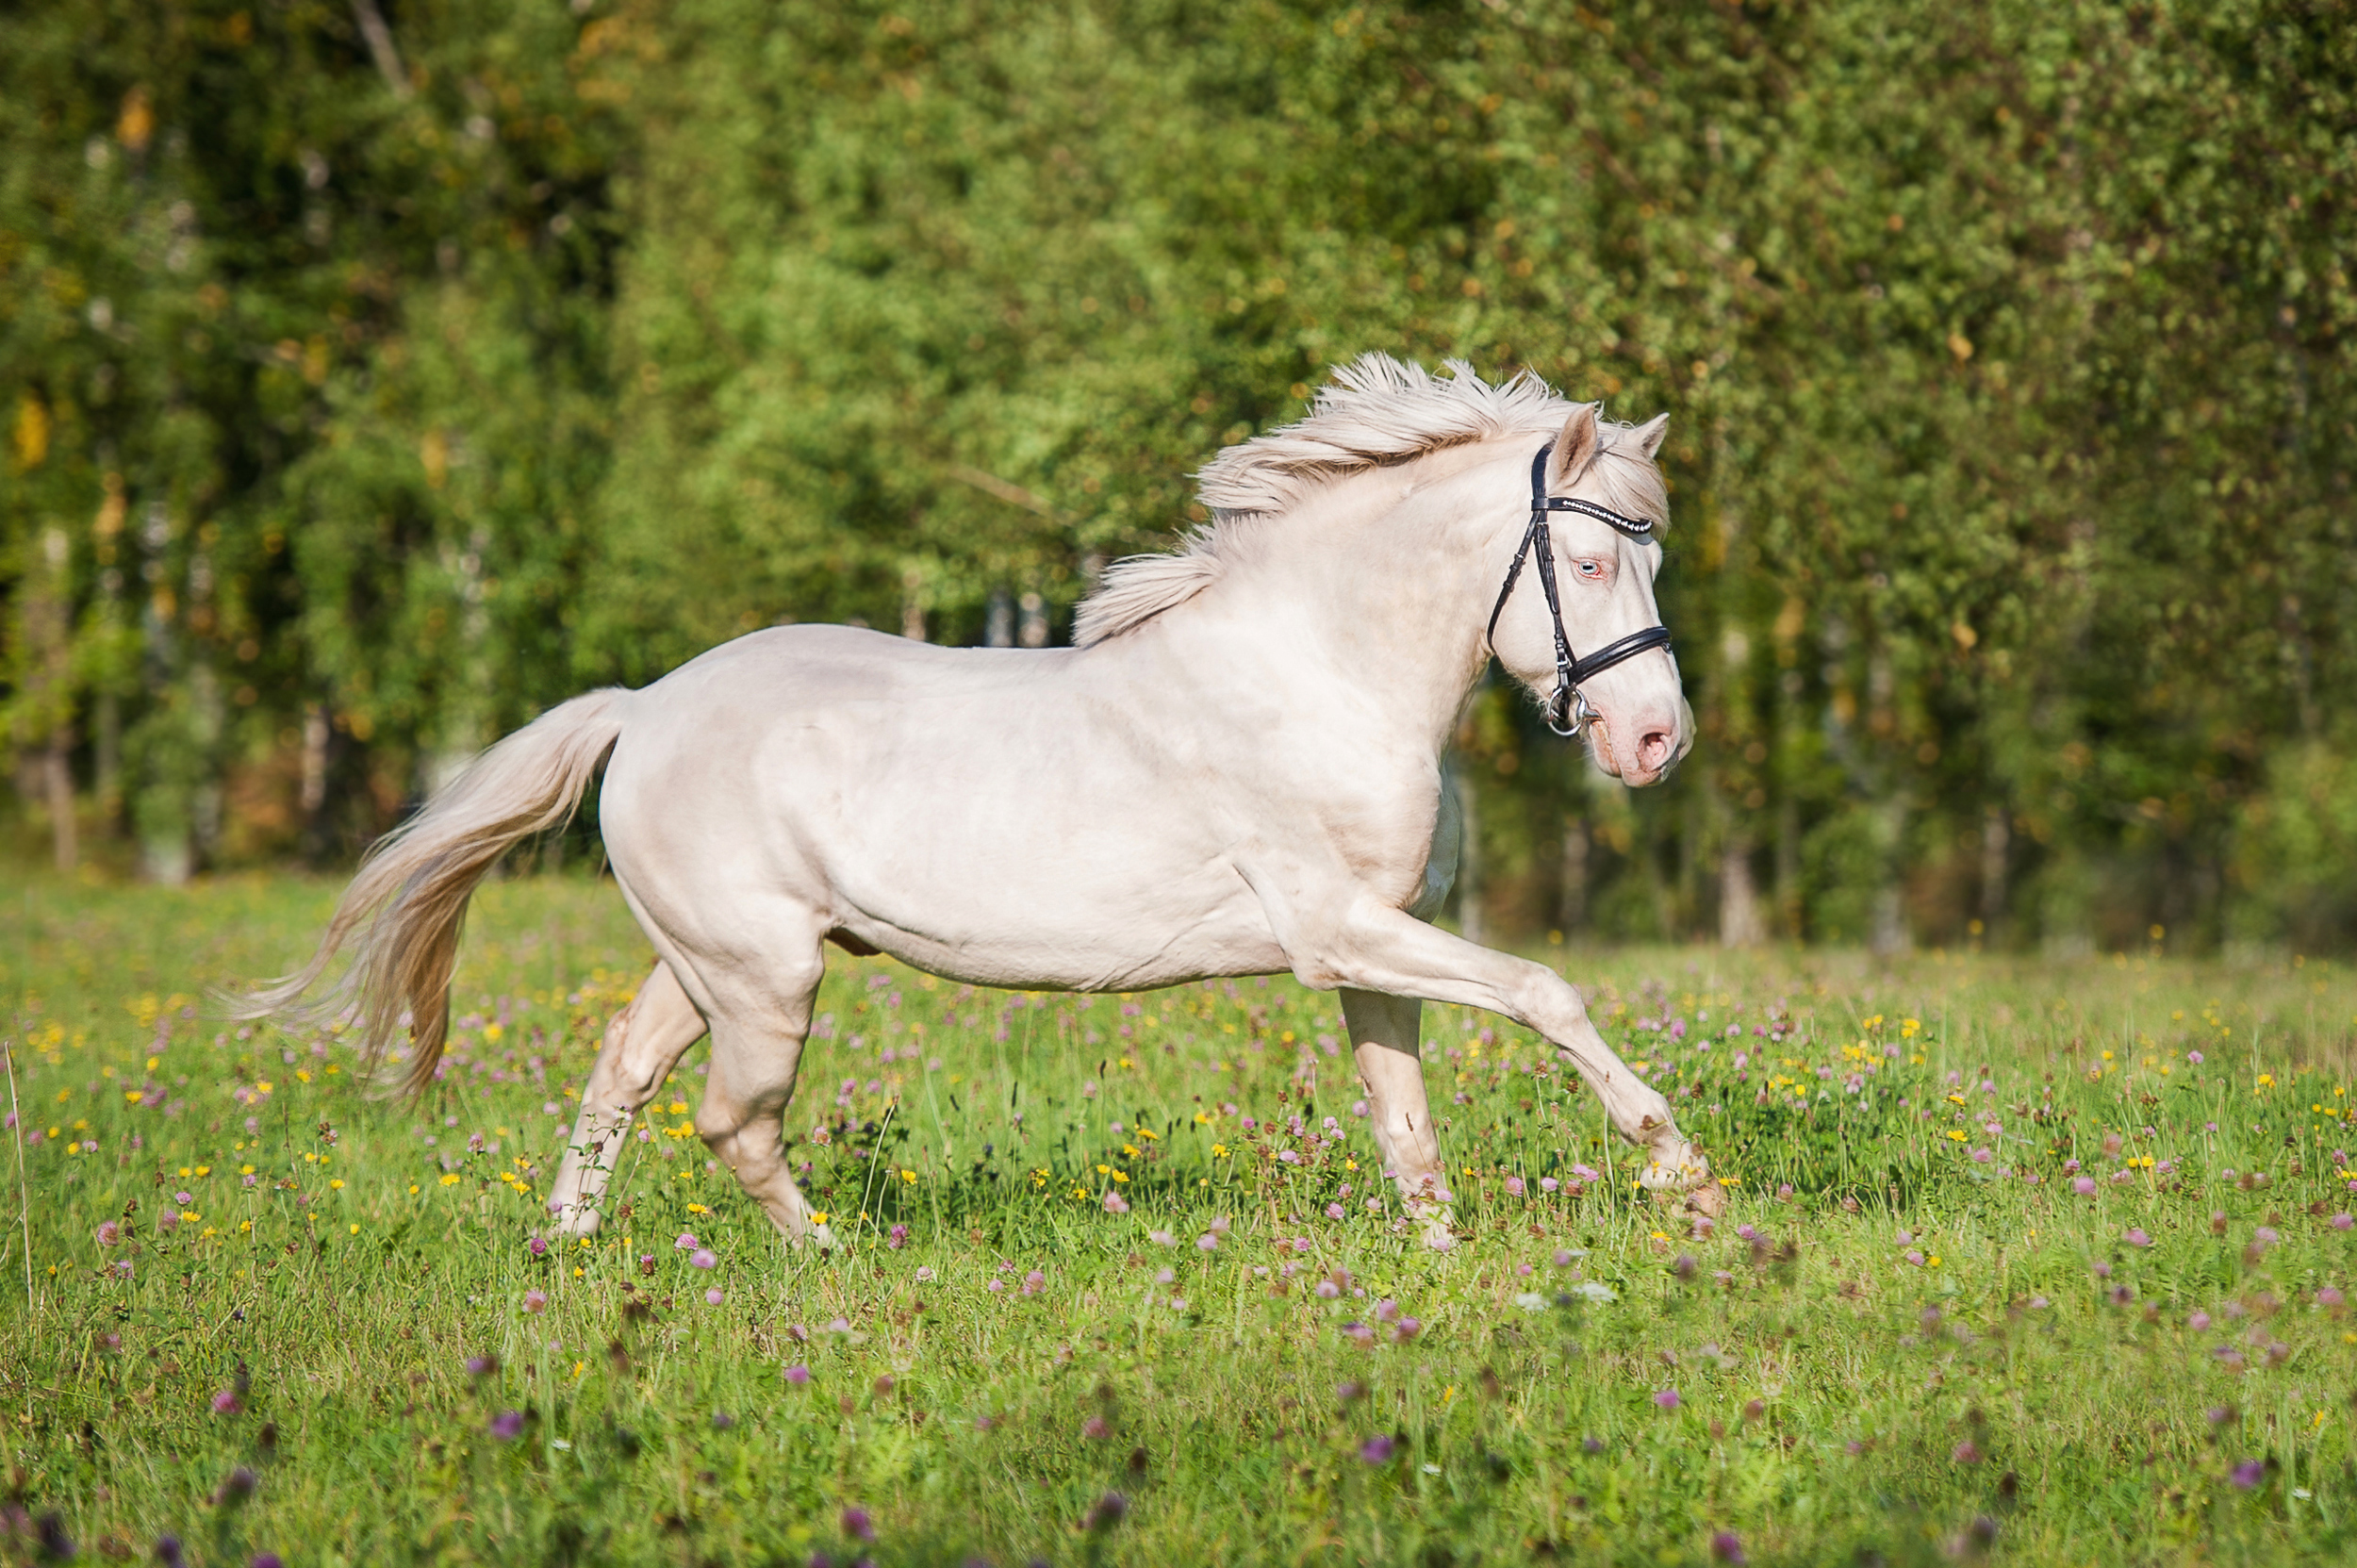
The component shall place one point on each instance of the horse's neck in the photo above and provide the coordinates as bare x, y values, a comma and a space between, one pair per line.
1395, 592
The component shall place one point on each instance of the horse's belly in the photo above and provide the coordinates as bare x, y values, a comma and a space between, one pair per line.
1041, 892
1029, 953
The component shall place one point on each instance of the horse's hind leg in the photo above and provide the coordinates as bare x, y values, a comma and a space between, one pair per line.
643, 1043
1383, 1034
758, 1026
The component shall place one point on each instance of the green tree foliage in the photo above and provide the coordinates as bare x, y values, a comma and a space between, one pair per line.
521, 348
310, 336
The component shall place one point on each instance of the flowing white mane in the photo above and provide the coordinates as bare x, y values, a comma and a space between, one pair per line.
1377, 411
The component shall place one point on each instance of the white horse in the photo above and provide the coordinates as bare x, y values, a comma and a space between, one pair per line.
1237, 771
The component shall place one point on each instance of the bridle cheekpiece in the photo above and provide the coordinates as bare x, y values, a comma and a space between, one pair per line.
1567, 711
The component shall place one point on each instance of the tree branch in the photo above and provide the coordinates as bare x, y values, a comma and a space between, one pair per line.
381, 48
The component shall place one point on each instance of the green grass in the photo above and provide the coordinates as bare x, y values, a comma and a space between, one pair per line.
1836, 1398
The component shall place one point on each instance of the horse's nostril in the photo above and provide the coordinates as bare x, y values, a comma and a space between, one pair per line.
1653, 749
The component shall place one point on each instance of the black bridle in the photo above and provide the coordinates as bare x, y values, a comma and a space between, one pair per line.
1567, 711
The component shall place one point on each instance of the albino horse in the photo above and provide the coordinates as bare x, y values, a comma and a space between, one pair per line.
1237, 771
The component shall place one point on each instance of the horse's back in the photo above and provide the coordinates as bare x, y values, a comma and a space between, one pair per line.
790, 665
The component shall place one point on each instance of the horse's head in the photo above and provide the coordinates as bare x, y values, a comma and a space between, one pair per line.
1636, 717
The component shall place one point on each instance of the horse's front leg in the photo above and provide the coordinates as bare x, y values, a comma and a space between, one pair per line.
1384, 1033
1366, 946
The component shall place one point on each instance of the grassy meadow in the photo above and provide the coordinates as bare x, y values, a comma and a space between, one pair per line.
2024, 1261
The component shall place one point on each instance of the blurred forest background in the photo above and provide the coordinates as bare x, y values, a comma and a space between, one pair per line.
376, 373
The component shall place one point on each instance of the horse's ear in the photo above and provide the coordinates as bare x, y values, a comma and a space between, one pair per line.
1652, 433
1574, 448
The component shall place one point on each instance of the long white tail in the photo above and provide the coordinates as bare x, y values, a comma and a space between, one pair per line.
409, 899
